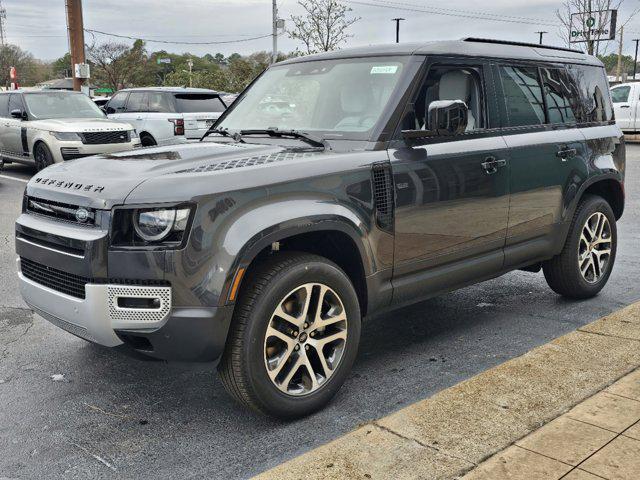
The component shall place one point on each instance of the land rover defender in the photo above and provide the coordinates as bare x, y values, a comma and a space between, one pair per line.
337, 186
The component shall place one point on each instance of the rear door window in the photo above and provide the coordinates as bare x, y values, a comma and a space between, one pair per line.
116, 104
160, 102
560, 95
138, 102
522, 95
620, 94
191, 103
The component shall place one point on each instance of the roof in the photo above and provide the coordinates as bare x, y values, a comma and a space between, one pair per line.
43, 91
170, 90
470, 47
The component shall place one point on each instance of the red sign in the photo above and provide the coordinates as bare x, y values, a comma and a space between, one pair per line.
13, 73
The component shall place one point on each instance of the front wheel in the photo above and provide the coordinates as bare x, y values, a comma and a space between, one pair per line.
585, 263
42, 156
294, 336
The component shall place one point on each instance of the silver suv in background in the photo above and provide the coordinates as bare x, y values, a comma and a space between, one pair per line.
46, 127
167, 115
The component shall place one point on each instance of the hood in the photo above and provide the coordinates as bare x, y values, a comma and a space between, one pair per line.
103, 181
81, 125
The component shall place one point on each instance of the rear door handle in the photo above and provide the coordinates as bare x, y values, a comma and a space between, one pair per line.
491, 165
565, 153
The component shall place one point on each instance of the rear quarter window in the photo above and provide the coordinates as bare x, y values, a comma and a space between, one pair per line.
595, 98
4, 105
191, 103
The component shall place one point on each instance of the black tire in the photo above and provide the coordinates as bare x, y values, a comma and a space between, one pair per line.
147, 140
42, 156
562, 272
242, 368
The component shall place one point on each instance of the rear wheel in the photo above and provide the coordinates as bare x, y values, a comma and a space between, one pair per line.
147, 140
585, 263
42, 156
294, 336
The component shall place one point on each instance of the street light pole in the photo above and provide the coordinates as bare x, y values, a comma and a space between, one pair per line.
635, 60
541, 34
397, 20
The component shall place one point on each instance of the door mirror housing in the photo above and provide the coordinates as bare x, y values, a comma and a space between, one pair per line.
448, 117
17, 113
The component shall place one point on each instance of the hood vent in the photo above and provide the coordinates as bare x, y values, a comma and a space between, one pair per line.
247, 162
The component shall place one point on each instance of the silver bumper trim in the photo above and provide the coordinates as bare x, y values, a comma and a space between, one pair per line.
95, 317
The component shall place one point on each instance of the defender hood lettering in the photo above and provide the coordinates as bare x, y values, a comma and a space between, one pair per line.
106, 180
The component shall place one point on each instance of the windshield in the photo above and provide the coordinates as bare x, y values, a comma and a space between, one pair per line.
332, 98
61, 105
193, 103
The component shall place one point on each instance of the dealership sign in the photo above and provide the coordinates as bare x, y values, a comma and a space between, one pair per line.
593, 26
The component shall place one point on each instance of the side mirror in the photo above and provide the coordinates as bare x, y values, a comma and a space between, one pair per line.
448, 117
17, 113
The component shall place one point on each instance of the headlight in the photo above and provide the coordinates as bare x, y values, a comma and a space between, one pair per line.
66, 136
156, 225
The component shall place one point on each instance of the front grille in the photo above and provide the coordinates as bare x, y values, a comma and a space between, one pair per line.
99, 138
61, 211
53, 278
71, 153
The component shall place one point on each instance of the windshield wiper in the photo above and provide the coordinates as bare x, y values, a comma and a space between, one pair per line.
219, 131
274, 132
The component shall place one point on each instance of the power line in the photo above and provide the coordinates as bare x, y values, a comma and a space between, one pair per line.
452, 13
150, 40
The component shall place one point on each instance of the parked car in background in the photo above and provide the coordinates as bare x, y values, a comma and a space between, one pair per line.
45, 127
101, 101
167, 115
626, 105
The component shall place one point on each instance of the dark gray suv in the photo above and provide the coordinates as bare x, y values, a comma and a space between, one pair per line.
336, 187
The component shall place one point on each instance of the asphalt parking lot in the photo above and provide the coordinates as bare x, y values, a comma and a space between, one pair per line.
69, 409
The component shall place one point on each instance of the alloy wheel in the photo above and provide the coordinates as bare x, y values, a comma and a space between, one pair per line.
594, 249
305, 339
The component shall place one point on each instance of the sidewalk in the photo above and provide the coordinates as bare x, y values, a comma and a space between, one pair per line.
557, 386
598, 438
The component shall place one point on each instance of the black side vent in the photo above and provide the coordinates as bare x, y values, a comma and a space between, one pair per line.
383, 195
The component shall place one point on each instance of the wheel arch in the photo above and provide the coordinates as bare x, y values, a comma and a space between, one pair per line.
332, 236
611, 189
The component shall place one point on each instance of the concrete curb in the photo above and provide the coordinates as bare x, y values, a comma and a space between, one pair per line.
451, 432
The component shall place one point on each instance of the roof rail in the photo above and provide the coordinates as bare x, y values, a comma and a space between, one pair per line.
518, 44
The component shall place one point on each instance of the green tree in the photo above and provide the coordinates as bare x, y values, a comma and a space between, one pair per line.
116, 64
61, 67
611, 63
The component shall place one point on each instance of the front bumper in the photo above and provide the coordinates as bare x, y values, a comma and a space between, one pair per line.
184, 334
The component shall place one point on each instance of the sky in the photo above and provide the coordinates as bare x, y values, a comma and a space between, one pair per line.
39, 26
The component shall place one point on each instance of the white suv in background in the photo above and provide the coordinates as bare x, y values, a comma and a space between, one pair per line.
166, 115
50, 126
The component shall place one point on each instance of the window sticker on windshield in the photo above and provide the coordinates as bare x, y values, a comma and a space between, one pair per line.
389, 69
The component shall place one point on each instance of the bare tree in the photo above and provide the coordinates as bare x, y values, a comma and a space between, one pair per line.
323, 27
116, 63
585, 9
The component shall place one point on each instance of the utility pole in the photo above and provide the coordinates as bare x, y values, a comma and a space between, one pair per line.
397, 20
274, 54
541, 34
635, 60
190, 64
619, 72
75, 26
3, 17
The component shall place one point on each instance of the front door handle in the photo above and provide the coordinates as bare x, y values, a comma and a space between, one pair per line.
565, 153
491, 165
625, 106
